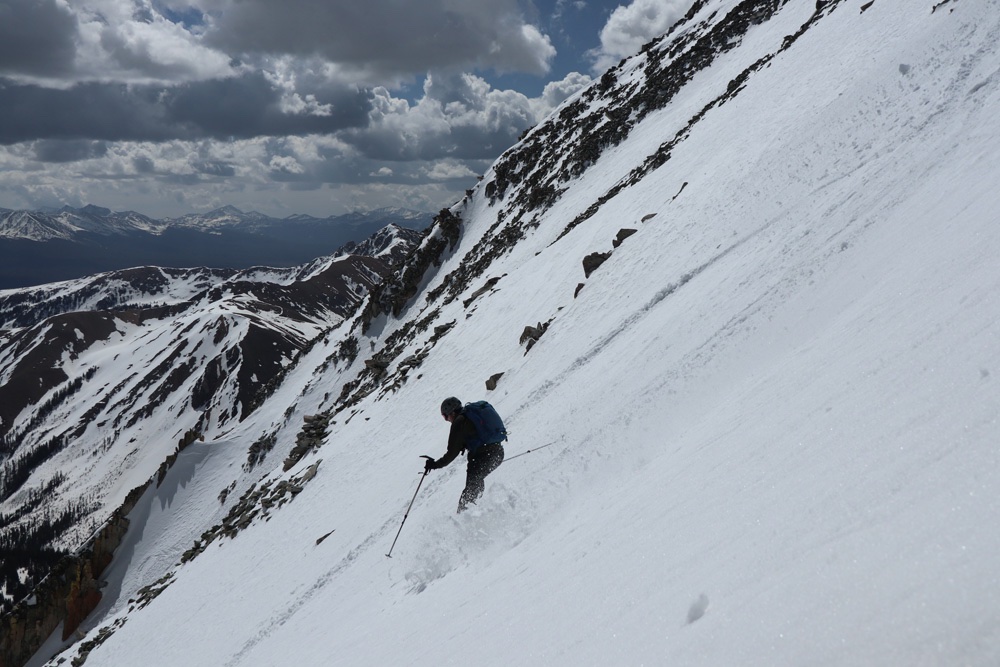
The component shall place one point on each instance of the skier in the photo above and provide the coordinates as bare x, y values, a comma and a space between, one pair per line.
484, 457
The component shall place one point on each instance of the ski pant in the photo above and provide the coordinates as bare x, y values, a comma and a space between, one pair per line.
484, 461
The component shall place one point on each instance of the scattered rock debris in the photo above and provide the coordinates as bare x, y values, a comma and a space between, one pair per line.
491, 384
257, 502
622, 235
594, 260
531, 334
312, 435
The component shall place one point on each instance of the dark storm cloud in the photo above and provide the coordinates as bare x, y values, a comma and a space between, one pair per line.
85, 111
386, 36
143, 164
48, 150
37, 37
244, 107
460, 142
250, 107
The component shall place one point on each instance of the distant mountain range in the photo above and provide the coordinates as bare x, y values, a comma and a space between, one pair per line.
38, 247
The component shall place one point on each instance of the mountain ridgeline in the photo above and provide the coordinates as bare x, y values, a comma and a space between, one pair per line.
41, 247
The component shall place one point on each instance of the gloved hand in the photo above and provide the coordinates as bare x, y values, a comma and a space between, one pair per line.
430, 464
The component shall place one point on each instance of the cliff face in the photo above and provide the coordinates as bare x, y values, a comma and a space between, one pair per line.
67, 595
72, 590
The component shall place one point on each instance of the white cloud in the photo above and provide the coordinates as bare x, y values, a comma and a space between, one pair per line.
128, 42
445, 170
57, 43
459, 116
631, 26
286, 164
557, 92
522, 50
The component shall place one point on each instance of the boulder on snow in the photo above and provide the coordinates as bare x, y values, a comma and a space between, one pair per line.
531, 334
622, 235
491, 384
594, 260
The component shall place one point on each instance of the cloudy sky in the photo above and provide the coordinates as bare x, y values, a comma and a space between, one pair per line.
168, 107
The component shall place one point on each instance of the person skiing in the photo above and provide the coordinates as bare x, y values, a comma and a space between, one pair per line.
484, 457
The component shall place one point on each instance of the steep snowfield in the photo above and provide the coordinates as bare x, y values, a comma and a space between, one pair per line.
770, 417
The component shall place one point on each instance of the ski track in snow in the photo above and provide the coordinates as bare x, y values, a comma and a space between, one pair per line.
278, 619
275, 621
631, 320
471, 533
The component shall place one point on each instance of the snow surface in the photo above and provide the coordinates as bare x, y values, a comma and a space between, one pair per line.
769, 419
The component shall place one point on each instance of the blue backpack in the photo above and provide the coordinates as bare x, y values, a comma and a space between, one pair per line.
489, 426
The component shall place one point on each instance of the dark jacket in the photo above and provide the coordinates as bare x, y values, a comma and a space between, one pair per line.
462, 430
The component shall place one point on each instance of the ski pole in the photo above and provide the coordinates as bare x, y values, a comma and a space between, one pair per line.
530, 451
389, 555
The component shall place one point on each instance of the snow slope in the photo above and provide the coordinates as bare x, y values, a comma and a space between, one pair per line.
769, 418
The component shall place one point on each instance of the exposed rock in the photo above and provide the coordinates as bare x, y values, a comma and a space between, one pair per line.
491, 384
256, 502
531, 334
579, 288
377, 364
441, 330
68, 593
482, 290
312, 435
594, 260
392, 295
147, 594
413, 360
189, 436
310, 472
82, 599
622, 235
257, 452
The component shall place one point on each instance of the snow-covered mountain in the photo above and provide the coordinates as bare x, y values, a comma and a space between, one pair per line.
739, 305
151, 357
38, 247
226, 217
230, 217
68, 223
